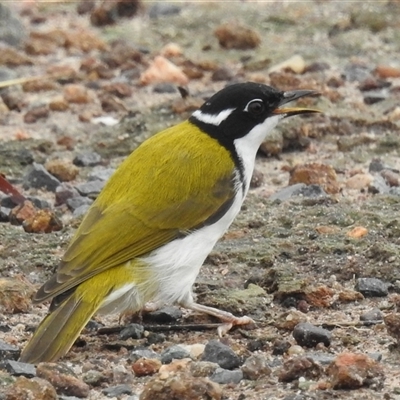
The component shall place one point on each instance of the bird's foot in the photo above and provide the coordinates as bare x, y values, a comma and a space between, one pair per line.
229, 320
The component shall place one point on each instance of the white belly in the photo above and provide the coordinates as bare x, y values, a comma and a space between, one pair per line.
177, 264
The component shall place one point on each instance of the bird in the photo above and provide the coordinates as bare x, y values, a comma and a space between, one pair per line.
149, 231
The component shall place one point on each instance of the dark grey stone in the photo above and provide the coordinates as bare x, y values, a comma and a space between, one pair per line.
164, 88
88, 159
375, 314
309, 335
92, 188
164, 315
39, 178
39, 203
8, 352
75, 202
376, 165
224, 376
17, 368
174, 353
219, 353
375, 96
4, 214
8, 202
134, 331
118, 390
371, 287
155, 337
143, 353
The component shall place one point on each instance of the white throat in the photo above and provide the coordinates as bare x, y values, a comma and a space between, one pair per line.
247, 146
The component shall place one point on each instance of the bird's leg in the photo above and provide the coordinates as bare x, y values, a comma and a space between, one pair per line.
229, 319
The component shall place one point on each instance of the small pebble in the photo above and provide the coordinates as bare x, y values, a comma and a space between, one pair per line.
146, 366
359, 181
280, 347
63, 379
232, 35
310, 191
4, 214
295, 350
29, 389
155, 337
8, 352
391, 178
164, 88
101, 174
17, 368
134, 331
64, 192
321, 358
39, 178
323, 175
395, 191
378, 185
224, 376
174, 353
91, 188
161, 9
143, 353
164, 315
222, 74
297, 367
39, 203
181, 386
62, 169
375, 314
376, 165
352, 371
356, 73
74, 203
80, 211
309, 335
371, 287
255, 367
287, 192
94, 378
224, 356
88, 159
203, 368
118, 390
375, 96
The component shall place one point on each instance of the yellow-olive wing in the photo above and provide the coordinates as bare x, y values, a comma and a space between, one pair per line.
173, 183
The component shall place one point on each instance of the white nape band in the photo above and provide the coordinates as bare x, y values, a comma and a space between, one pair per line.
213, 119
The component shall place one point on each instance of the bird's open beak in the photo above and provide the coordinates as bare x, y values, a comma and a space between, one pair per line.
293, 95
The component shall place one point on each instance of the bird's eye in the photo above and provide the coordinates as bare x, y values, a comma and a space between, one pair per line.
255, 107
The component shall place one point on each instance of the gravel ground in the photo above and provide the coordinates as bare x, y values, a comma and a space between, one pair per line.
290, 257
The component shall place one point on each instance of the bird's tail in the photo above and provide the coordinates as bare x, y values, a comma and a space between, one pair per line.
58, 331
